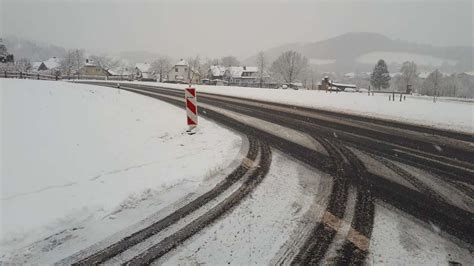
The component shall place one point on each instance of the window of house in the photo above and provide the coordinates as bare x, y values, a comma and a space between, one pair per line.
175, 69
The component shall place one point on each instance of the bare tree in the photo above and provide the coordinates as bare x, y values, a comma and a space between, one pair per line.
431, 84
66, 64
229, 61
206, 66
105, 62
289, 66
409, 73
78, 56
313, 76
262, 66
161, 66
72, 61
194, 68
23, 65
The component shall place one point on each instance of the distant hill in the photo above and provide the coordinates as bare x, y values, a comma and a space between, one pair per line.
34, 51
360, 51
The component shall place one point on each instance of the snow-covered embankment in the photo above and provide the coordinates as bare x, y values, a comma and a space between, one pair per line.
418, 110
81, 156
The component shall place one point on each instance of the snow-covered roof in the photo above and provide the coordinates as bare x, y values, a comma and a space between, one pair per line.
424, 74
90, 63
118, 72
52, 63
143, 67
394, 74
350, 75
217, 70
470, 73
36, 65
236, 71
182, 62
343, 85
250, 69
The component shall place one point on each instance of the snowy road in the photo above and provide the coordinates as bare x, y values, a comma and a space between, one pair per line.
365, 191
422, 172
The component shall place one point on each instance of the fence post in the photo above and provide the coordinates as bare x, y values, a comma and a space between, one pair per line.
5, 72
38, 76
21, 75
400, 97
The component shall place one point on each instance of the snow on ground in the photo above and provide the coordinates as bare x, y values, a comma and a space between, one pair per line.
416, 110
399, 240
74, 155
399, 57
254, 232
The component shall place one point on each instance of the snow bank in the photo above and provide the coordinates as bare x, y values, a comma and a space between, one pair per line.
399, 240
73, 152
445, 114
399, 57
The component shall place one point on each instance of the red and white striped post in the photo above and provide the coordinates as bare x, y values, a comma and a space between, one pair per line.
191, 108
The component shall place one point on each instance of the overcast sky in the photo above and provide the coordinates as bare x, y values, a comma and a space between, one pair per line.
229, 27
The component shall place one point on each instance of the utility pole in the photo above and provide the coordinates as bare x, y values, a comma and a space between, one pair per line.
435, 86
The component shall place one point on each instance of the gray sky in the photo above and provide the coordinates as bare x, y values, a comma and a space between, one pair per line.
217, 28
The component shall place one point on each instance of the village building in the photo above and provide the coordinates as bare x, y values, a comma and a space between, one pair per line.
120, 74
216, 72
49, 66
92, 69
244, 76
182, 73
143, 72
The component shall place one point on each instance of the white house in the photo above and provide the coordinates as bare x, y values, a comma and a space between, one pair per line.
143, 72
120, 73
181, 72
216, 72
244, 75
50, 66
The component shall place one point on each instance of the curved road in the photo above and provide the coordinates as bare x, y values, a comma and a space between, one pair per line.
448, 158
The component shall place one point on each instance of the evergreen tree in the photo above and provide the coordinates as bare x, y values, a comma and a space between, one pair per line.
380, 77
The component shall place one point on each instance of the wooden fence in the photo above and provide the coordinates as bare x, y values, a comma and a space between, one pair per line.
27, 75
40, 76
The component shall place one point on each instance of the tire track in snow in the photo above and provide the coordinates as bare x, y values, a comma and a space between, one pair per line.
139, 236
172, 241
356, 247
318, 241
418, 184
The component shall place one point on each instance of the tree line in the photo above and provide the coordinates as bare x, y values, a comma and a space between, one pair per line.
289, 67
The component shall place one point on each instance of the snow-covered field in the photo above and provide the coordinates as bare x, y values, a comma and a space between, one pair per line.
74, 155
445, 114
399, 57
